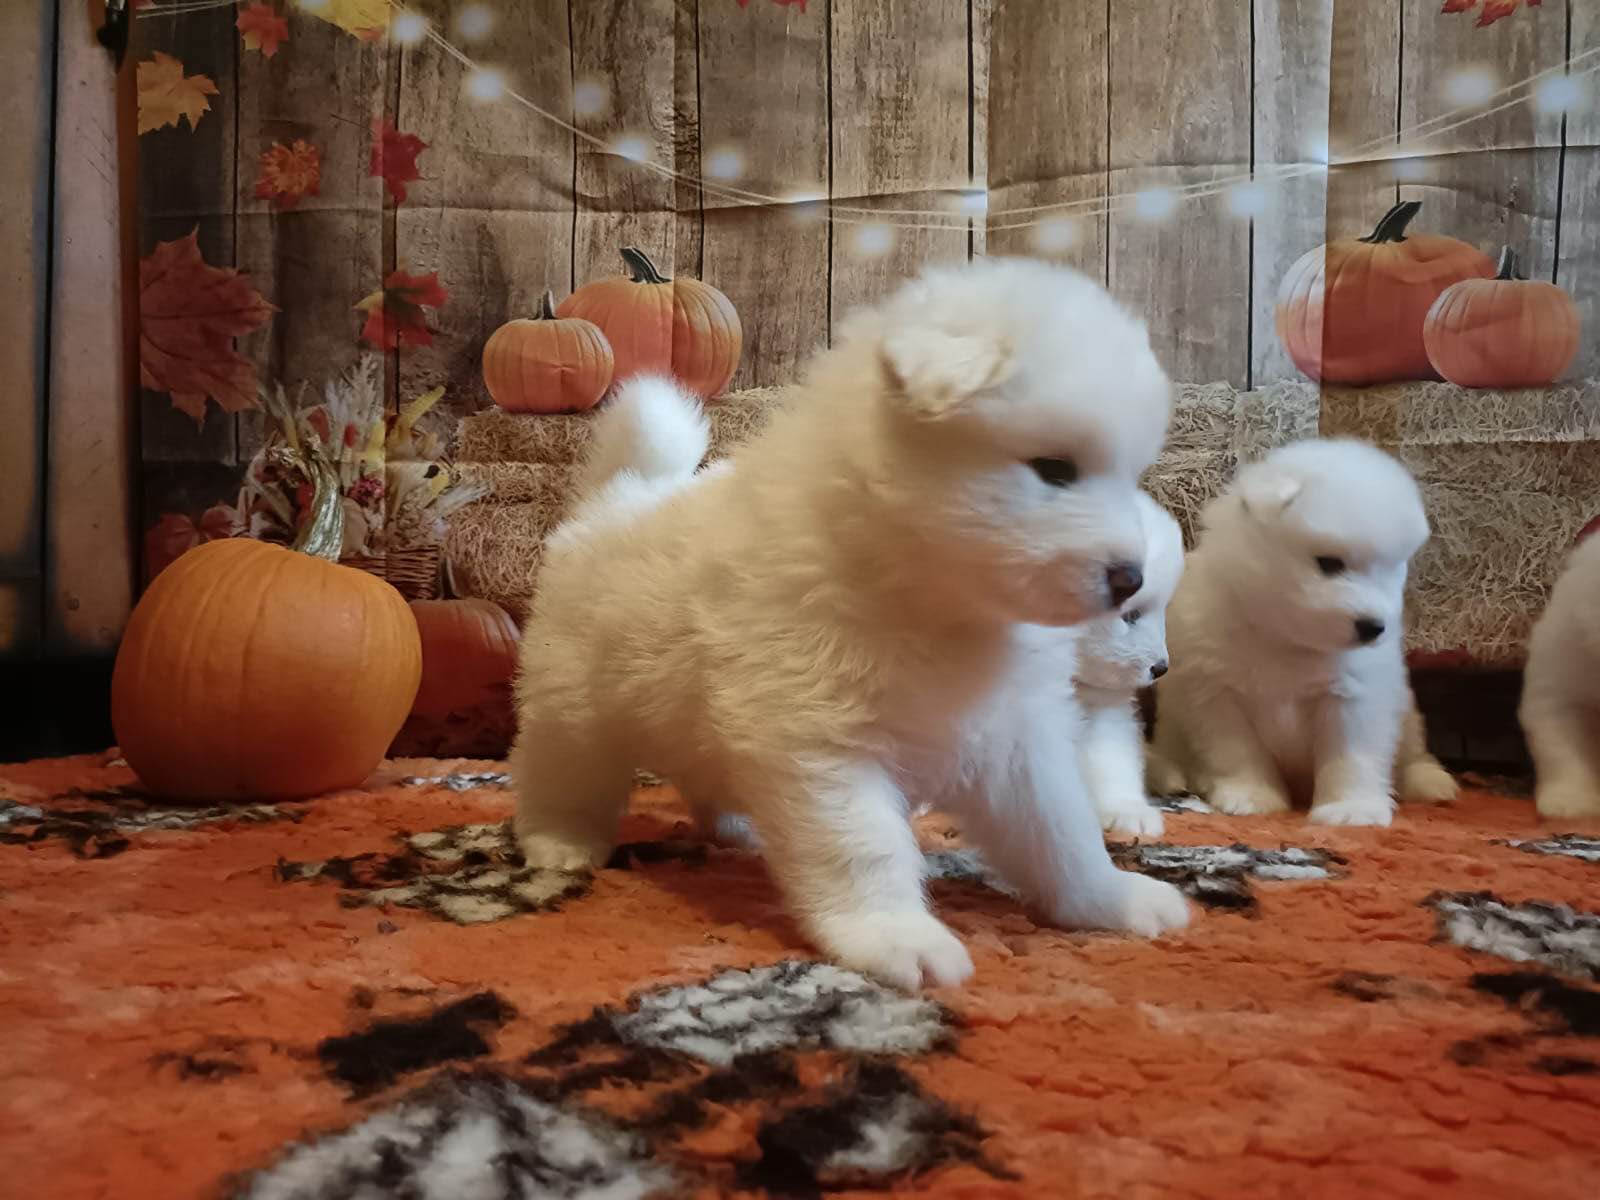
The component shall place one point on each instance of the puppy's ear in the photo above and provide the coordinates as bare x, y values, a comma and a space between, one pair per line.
1266, 493
934, 371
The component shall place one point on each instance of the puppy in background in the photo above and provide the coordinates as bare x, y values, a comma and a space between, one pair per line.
1118, 655
860, 609
1289, 680
1560, 711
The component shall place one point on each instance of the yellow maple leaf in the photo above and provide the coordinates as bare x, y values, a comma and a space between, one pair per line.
367, 19
166, 93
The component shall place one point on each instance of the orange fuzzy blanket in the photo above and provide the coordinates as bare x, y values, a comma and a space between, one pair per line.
365, 995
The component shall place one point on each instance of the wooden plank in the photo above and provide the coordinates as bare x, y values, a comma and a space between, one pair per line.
1578, 267
493, 210
628, 48
1495, 180
901, 90
980, 19
316, 259
772, 266
688, 228
27, 59
186, 182
1180, 115
1363, 115
93, 351
1293, 49
1054, 77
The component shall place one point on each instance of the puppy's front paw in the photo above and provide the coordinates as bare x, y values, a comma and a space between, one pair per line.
1148, 907
1138, 819
1376, 809
1426, 782
551, 853
1244, 797
901, 948
1556, 802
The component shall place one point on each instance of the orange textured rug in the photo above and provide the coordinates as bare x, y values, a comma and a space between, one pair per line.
366, 996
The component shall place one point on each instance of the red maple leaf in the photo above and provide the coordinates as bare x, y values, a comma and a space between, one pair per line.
262, 29
395, 315
189, 314
289, 173
1493, 10
394, 157
176, 533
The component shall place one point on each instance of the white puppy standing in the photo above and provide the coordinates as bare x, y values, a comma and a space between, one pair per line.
856, 610
1288, 678
1117, 656
1560, 710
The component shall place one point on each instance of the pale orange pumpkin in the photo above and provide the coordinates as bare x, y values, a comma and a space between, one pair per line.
682, 327
1352, 311
469, 655
1505, 332
548, 364
251, 671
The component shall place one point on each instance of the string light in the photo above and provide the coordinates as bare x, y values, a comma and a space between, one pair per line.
1559, 94
632, 147
1155, 204
873, 240
1472, 85
485, 83
974, 202
474, 22
408, 28
1412, 168
1055, 234
724, 163
807, 206
1247, 200
590, 97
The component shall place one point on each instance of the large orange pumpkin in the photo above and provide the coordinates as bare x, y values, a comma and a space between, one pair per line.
469, 655
547, 365
682, 327
1352, 311
1505, 332
250, 671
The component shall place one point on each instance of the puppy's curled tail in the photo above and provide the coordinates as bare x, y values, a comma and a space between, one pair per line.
651, 430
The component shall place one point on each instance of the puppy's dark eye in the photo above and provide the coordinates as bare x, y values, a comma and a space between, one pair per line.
1329, 564
1131, 618
1057, 472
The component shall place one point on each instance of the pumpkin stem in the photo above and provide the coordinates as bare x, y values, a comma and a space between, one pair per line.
547, 306
1393, 226
1509, 267
322, 536
640, 268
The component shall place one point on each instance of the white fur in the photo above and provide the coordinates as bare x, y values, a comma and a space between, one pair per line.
857, 611
1560, 710
1272, 696
1117, 656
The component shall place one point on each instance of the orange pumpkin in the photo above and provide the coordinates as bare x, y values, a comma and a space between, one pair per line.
1505, 332
250, 671
547, 365
1352, 311
469, 655
682, 327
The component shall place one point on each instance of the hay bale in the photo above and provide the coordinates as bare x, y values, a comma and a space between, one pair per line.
496, 436
518, 482
494, 551
1508, 479
1214, 429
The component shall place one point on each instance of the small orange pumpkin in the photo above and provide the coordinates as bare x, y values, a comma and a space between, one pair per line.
1352, 311
682, 327
469, 655
251, 671
1505, 332
548, 364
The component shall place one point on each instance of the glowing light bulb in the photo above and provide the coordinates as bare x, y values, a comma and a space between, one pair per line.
474, 21
806, 206
1155, 204
1055, 234
1411, 169
485, 83
1471, 86
1559, 94
974, 202
873, 240
1247, 199
724, 163
632, 147
590, 97
1317, 150
408, 28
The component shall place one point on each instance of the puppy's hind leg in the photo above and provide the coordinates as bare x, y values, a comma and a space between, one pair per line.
1240, 777
571, 790
1423, 779
1565, 761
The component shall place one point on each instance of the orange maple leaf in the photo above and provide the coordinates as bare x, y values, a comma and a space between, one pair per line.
1492, 10
395, 315
394, 157
289, 173
263, 29
166, 93
189, 314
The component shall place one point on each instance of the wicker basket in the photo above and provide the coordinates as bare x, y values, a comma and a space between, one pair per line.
414, 571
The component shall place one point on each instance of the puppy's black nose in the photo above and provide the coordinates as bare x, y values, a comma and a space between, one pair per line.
1158, 670
1123, 580
1368, 630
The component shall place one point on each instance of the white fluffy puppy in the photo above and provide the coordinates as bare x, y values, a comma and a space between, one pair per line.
1118, 655
855, 612
1289, 679
1560, 710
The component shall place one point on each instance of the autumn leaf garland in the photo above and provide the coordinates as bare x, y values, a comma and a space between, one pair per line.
1491, 10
